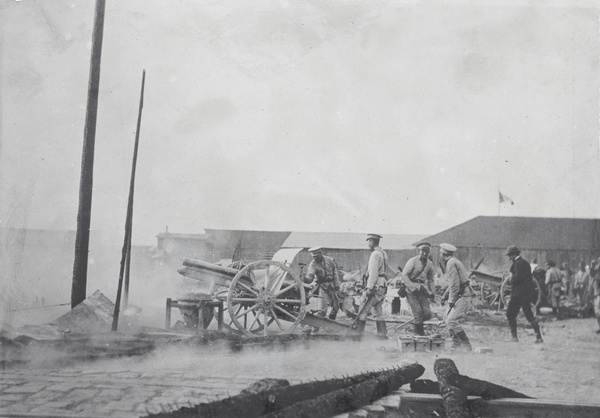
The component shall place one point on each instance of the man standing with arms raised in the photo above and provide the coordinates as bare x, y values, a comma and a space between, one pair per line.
521, 295
417, 275
375, 287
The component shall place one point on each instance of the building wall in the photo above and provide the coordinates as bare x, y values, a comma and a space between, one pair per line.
494, 260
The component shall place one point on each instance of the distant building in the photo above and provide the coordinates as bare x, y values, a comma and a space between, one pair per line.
558, 239
37, 266
217, 245
350, 249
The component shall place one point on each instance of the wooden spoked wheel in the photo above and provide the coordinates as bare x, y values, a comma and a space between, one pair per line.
490, 296
265, 298
506, 290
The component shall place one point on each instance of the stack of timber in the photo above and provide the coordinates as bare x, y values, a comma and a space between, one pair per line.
312, 399
455, 395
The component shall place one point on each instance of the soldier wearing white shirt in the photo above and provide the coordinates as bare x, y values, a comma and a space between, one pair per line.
458, 295
417, 275
375, 287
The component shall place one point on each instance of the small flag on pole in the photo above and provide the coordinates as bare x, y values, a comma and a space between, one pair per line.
505, 199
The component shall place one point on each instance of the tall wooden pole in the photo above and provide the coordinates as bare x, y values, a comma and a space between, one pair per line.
82, 238
126, 252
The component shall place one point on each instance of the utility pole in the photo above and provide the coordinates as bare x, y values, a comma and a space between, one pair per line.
82, 238
126, 252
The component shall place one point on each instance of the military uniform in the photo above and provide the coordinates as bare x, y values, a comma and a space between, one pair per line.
554, 283
375, 283
327, 278
417, 275
458, 294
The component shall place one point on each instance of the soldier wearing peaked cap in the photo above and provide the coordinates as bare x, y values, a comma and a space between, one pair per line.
324, 269
458, 295
522, 293
375, 287
417, 276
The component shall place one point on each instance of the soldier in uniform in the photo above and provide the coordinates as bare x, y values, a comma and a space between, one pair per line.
417, 275
324, 269
596, 288
458, 294
375, 284
522, 293
553, 282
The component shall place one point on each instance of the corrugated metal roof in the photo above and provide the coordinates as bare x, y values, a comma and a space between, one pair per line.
182, 236
348, 240
525, 232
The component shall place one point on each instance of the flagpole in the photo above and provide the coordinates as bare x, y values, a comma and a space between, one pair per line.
498, 197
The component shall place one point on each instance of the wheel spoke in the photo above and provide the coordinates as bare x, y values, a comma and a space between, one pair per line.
253, 322
248, 288
280, 274
239, 307
265, 333
276, 319
297, 301
253, 278
281, 292
243, 299
285, 312
246, 312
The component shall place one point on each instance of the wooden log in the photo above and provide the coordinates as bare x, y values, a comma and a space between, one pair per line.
487, 390
473, 387
345, 399
453, 397
251, 405
332, 403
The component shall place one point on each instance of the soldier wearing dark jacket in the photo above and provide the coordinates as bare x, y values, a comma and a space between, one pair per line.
522, 293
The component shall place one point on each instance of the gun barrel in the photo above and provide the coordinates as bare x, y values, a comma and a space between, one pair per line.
209, 267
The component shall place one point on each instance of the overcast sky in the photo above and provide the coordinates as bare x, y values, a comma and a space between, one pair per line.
359, 116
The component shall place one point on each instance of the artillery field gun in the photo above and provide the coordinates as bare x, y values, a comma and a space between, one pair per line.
260, 298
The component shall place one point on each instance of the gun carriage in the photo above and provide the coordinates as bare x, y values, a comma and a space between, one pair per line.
259, 298
495, 289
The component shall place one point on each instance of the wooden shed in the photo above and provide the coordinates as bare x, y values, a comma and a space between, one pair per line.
540, 239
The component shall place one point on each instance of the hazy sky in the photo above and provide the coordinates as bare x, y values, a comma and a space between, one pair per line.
360, 116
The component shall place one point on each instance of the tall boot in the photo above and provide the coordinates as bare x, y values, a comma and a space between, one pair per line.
360, 326
418, 329
381, 330
513, 333
466, 344
456, 342
333, 315
538, 334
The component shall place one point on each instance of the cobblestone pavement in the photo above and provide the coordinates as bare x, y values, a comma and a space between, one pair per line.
97, 393
173, 377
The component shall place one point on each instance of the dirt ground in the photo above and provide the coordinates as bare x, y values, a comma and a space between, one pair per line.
565, 367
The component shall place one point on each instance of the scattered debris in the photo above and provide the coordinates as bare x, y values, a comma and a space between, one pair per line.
94, 314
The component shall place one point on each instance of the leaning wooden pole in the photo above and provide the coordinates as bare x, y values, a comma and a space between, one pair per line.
126, 252
82, 238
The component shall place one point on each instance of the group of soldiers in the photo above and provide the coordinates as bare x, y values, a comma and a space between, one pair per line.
416, 283
416, 279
